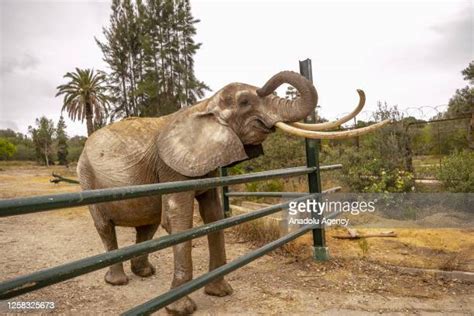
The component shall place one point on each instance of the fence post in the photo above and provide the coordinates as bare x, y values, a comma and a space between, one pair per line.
320, 251
225, 190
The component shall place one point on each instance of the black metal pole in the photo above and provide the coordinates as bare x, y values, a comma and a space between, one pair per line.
225, 197
320, 251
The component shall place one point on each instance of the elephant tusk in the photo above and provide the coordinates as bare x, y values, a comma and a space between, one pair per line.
330, 135
333, 124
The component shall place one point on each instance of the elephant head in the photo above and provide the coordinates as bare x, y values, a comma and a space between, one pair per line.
230, 125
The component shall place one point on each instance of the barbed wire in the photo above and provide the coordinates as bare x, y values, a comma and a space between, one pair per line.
425, 112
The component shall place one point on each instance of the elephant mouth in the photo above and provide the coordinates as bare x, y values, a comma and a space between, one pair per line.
264, 127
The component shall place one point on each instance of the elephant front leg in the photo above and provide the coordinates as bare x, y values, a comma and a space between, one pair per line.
179, 216
211, 210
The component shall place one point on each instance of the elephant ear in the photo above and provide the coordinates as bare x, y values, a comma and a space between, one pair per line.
196, 144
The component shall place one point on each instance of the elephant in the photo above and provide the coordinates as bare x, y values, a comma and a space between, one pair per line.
194, 142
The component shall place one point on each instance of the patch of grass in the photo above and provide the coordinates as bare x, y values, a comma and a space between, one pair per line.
260, 231
457, 260
16, 163
364, 246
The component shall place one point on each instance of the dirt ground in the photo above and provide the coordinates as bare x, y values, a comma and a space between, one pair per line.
352, 283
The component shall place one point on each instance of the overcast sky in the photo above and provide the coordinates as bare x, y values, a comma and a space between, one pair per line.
408, 53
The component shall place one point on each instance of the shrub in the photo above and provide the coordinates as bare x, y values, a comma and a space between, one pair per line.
457, 172
364, 172
7, 149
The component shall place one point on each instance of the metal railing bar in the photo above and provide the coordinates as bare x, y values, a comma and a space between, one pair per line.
197, 283
35, 204
279, 194
42, 278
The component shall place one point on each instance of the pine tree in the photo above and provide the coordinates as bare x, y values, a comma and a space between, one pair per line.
61, 138
116, 56
149, 47
194, 89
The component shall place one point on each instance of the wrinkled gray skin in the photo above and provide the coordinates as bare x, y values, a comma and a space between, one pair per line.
191, 143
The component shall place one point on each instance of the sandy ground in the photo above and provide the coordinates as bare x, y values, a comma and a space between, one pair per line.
275, 284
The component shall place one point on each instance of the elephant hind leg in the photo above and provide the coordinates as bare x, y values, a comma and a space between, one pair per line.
140, 265
106, 230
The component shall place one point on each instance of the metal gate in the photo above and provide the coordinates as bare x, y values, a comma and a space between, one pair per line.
37, 280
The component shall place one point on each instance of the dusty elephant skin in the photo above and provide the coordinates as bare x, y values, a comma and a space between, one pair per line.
190, 143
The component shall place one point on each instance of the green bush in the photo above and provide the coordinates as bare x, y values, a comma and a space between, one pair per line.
7, 149
364, 171
457, 172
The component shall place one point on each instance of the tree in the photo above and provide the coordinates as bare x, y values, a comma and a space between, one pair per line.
463, 100
117, 55
7, 149
149, 48
43, 139
468, 73
462, 103
61, 138
85, 97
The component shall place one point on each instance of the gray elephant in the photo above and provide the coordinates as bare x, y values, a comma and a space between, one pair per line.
191, 143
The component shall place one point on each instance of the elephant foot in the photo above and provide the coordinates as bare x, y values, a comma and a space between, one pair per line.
184, 306
218, 288
143, 270
116, 278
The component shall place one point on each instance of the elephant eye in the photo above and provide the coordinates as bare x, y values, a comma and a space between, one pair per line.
244, 102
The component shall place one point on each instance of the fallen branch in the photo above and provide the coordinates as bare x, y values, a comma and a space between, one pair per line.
354, 234
57, 178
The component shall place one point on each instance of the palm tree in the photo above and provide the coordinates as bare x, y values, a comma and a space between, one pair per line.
85, 97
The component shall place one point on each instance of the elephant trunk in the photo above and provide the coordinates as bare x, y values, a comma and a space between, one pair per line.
290, 110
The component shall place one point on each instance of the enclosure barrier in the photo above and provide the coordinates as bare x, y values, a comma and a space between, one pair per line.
50, 202
40, 279
277, 194
37, 280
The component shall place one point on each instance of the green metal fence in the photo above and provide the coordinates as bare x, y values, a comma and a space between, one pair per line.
37, 280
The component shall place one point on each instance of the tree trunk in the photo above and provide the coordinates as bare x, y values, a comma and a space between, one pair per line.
90, 125
124, 92
46, 154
